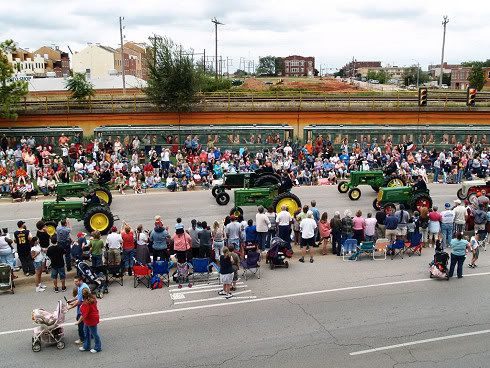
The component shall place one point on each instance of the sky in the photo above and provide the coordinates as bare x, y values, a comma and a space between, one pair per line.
395, 32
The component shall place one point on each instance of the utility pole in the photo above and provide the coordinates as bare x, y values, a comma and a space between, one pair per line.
418, 74
122, 54
445, 21
216, 23
204, 61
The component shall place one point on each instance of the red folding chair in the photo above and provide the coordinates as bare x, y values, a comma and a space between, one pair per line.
141, 275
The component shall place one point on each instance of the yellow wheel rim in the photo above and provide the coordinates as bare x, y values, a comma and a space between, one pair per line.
344, 187
51, 230
354, 194
102, 195
395, 183
99, 222
290, 203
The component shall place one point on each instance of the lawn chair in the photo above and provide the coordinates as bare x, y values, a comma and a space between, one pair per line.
251, 264
415, 245
141, 275
380, 247
363, 248
397, 249
349, 246
161, 268
115, 274
200, 266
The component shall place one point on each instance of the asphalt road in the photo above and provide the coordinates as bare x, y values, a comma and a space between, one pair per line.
326, 314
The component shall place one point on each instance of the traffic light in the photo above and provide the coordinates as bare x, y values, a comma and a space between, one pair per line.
471, 96
423, 96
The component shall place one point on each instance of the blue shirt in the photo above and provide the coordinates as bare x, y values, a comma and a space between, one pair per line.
391, 222
458, 247
80, 295
251, 234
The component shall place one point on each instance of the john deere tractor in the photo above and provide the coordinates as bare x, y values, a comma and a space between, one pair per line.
254, 179
376, 179
408, 196
83, 189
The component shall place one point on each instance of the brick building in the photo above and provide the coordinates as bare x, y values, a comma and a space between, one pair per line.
137, 59
55, 60
298, 66
459, 77
435, 70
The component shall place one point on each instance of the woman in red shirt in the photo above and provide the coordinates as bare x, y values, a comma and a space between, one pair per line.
90, 318
128, 246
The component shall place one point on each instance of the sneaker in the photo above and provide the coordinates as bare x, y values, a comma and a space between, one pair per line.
93, 351
470, 265
228, 296
302, 260
39, 289
78, 342
42, 285
81, 348
311, 260
221, 292
63, 289
56, 290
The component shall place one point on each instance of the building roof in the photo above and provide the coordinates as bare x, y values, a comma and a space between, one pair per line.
109, 82
107, 48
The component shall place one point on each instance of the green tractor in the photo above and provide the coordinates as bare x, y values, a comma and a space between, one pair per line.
82, 189
95, 216
376, 179
260, 197
408, 196
254, 179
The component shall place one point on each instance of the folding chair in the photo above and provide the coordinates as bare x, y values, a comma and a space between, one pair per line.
161, 268
200, 266
115, 274
380, 247
397, 249
251, 264
415, 245
141, 275
349, 246
364, 248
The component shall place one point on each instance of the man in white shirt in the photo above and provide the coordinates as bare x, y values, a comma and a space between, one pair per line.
447, 224
114, 243
459, 217
307, 227
262, 224
283, 220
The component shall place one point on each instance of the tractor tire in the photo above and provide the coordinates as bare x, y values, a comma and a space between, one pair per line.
354, 194
267, 181
342, 187
51, 227
389, 207
236, 211
421, 200
104, 195
460, 194
376, 205
289, 199
217, 189
98, 218
394, 181
222, 198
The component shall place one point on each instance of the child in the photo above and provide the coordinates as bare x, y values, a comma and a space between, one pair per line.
250, 232
90, 319
37, 254
138, 188
411, 227
325, 231
475, 249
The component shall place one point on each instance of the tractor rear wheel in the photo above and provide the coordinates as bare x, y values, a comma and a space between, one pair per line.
394, 181
223, 198
104, 195
217, 189
98, 218
288, 199
354, 194
267, 181
236, 211
376, 205
460, 194
51, 227
421, 200
342, 187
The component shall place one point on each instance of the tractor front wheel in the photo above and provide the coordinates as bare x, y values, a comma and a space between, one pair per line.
222, 198
292, 202
342, 187
460, 194
98, 218
376, 205
51, 227
104, 195
216, 190
354, 194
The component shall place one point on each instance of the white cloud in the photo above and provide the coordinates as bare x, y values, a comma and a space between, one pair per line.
333, 31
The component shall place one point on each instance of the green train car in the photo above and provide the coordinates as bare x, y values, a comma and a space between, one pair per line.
43, 136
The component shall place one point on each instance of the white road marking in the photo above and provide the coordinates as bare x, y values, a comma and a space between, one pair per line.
264, 299
418, 342
190, 291
177, 296
220, 298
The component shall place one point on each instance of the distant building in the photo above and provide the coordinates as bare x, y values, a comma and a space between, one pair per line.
459, 77
136, 62
95, 60
435, 70
298, 66
27, 63
55, 60
354, 68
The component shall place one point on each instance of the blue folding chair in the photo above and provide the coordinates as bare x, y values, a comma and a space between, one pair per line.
349, 246
162, 269
251, 264
200, 266
397, 249
415, 245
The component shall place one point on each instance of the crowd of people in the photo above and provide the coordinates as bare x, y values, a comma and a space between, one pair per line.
29, 168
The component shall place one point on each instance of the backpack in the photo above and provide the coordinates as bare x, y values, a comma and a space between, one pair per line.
156, 282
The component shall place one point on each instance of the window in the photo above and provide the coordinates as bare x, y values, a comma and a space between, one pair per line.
310, 63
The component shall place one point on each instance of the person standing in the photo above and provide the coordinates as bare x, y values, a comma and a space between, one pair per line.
114, 244
391, 226
38, 255
434, 225
325, 231
226, 273
347, 224
271, 215
458, 255
90, 319
56, 254
22, 238
447, 225
459, 217
233, 233
204, 241
96, 248
194, 232
6, 250
423, 225
159, 237
475, 250
380, 224
283, 220
262, 223
370, 229
336, 226
308, 228
218, 235
76, 303
128, 248
358, 225
64, 240
403, 216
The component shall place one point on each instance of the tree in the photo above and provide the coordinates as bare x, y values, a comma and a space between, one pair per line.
11, 91
379, 75
278, 66
446, 79
240, 73
267, 65
410, 76
81, 89
484, 64
173, 81
477, 77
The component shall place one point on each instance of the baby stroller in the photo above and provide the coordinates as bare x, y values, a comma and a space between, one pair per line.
181, 276
6, 280
438, 267
277, 254
95, 278
50, 327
